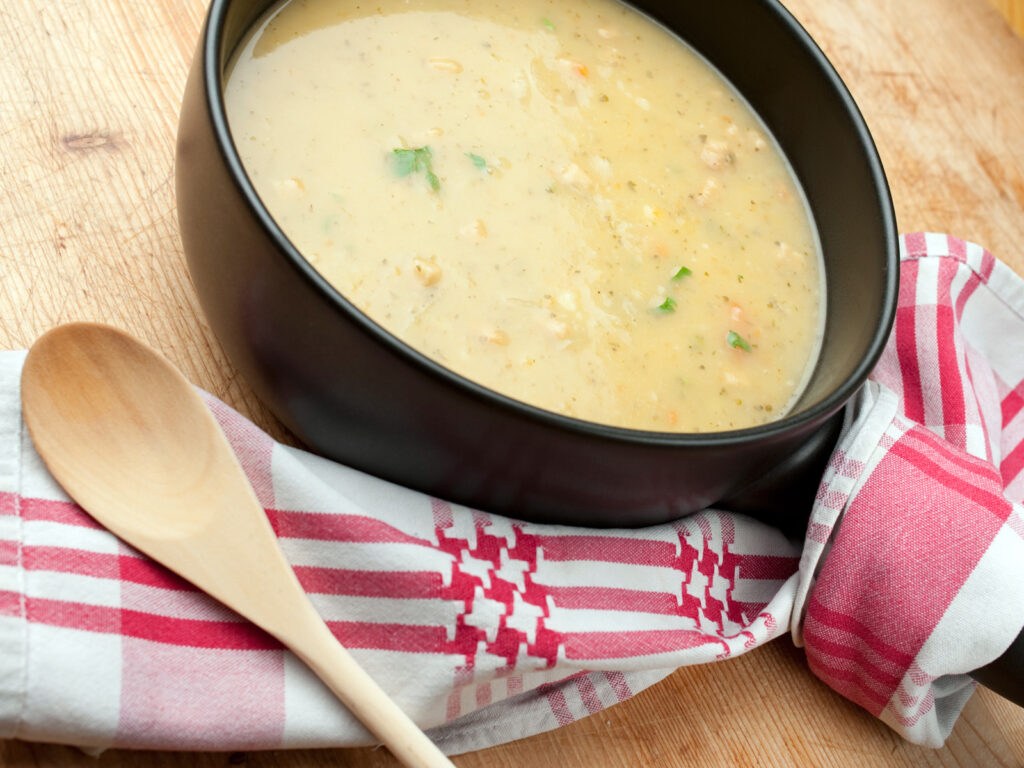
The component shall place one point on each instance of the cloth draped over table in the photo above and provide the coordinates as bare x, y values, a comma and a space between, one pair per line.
486, 629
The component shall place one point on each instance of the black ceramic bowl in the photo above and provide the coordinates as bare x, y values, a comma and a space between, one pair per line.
353, 392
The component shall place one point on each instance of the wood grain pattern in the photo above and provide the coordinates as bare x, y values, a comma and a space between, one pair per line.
1013, 10
89, 93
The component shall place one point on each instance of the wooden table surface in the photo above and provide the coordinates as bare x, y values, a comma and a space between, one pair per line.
89, 95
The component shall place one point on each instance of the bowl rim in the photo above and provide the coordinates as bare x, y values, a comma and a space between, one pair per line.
213, 86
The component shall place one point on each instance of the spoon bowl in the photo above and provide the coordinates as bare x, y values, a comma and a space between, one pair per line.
78, 389
133, 443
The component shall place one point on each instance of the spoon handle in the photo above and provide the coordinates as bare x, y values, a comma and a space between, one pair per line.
312, 641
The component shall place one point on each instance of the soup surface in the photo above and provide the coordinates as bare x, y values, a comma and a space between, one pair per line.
558, 200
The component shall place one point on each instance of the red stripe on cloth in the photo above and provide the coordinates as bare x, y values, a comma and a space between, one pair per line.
978, 276
905, 340
140, 570
948, 269
453, 705
483, 695
767, 567
619, 645
10, 603
442, 511
608, 549
104, 565
619, 685
1012, 404
63, 512
333, 527
819, 532
99, 565
559, 707
514, 685
193, 633
988, 265
918, 677
725, 522
616, 599
956, 248
190, 633
851, 684
59, 613
9, 504
970, 286
638, 601
390, 637
336, 581
951, 377
931, 445
924, 709
939, 461
588, 694
915, 244
974, 278
864, 635
8, 552
1013, 464
818, 633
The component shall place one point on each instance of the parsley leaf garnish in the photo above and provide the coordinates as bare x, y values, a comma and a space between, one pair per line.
548, 23
668, 305
478, 161
736, 341
683, 272
408, 161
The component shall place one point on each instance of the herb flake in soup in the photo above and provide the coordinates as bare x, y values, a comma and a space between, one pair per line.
560, 201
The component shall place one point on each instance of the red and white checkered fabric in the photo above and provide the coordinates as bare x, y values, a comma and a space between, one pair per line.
924, 578
486, 629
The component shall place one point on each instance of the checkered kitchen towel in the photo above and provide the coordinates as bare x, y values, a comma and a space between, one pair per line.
487, 629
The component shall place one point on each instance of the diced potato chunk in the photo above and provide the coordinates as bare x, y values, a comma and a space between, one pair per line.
427, 272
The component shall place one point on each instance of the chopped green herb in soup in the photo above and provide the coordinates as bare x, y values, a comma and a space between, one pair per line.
558, 200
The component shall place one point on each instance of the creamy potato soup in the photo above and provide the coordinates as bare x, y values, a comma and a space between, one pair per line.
558, 200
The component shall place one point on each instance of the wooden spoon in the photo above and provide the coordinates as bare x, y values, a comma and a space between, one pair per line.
132, 442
